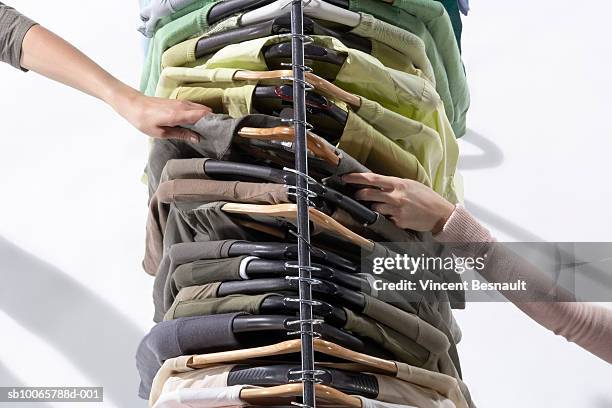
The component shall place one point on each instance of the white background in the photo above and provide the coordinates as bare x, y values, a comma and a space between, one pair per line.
74, 301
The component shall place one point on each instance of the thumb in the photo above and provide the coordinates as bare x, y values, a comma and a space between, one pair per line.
179, 133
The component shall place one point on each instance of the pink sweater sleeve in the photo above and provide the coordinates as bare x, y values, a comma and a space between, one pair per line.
588, 325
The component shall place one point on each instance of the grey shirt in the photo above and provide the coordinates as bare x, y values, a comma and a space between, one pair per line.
13, 28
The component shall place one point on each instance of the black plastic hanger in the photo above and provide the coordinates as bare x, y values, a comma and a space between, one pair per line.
277, 304
211, 44
282, 250
266, 268
267, 329
280, 25
227, 8
251, 172
317, 27
327, 119
326, 63
324, 290
276, 53
350, 382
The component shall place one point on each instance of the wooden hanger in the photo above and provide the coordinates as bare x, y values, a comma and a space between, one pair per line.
368, 363
261, 396
289, 212
320, 84
285, 133
441, 383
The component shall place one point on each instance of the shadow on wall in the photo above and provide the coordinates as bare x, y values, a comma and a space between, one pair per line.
89, 332
7, 379
603, 402
491, 155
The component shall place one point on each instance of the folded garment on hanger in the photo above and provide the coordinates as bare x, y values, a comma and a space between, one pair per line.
202, 191
228, 397
441, 48
190, 222
388, 389
221, 146
205, 271
392, 46
201, 301
454, 8
203, 334
447, 386
359, 140
156, 10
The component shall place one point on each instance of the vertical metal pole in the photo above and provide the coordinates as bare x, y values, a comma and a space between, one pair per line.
301, 165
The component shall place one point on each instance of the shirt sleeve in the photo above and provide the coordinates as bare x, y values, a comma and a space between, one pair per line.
586, 324
13, 28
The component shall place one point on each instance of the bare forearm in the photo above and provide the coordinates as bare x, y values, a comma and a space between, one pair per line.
51, 56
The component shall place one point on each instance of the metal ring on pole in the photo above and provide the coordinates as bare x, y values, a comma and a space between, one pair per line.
304, 301
307, 85
311, 322
306, 177
307, 125
304, 68
293, 265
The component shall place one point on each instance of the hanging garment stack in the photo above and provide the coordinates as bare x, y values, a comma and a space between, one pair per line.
389, 95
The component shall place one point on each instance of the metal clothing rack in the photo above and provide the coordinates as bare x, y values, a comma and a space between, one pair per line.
306, 322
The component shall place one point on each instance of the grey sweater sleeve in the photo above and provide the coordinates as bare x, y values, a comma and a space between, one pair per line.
13, 28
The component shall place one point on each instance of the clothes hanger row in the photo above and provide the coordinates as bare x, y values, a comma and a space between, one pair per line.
289, 213
360, 362
208, 45
221, 169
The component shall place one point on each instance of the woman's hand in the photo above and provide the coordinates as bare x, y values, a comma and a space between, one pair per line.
158, 117
40, 52
408, 203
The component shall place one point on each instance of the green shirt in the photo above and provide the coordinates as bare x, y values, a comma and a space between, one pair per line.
408, 95
175, 31
452, 8
425, 18
428, 20
395, 48
361, 74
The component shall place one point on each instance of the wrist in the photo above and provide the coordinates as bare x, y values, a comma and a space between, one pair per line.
119, 95
445, 213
